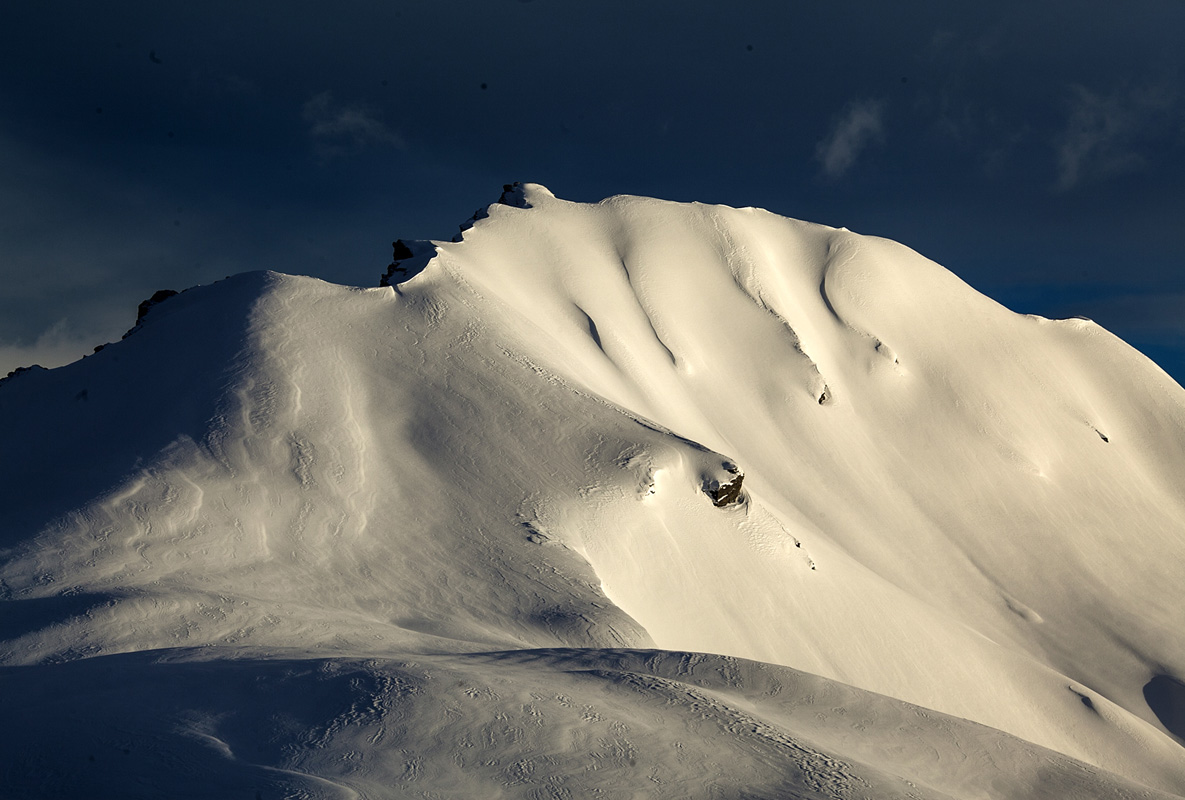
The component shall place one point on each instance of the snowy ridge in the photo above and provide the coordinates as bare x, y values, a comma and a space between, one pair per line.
519, 449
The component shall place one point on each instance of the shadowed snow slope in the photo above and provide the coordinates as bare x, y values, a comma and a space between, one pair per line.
456, 537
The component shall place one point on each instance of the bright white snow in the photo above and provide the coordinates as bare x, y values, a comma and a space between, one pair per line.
455, 538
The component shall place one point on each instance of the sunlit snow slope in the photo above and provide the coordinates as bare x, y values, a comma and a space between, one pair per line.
458, 537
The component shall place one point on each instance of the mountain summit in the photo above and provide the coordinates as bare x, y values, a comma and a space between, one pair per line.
634, 498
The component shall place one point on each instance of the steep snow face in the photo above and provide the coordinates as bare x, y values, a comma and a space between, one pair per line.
942, 464
524, 446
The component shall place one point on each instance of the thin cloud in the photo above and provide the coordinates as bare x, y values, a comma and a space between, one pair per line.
1093, 143
1103, 133
340, 129
859, 126
58, 345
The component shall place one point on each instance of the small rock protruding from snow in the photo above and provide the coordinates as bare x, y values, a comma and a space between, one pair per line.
401, 252
158, 296
22, 371
886, 352
408, 259
513, 194
728, 493
142, 310
477, 216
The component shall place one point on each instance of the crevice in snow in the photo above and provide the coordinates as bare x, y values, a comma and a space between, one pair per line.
1086, 699
592, 330
1165, 695
645, 313
1020, 609
886, 352
744, 271
840, 253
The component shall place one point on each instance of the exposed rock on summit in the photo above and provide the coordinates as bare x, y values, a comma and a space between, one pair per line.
408, 258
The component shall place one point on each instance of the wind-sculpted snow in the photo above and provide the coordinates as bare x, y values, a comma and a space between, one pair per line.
525, 723
297, 539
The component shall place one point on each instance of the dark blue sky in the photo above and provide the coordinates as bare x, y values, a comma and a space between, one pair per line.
1035, 149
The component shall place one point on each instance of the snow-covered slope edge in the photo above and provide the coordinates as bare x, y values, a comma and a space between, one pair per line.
942, 501
525, 723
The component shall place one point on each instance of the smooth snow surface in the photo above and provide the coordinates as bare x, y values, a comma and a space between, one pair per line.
457, 538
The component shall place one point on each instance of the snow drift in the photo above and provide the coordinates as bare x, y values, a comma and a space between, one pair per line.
462, 535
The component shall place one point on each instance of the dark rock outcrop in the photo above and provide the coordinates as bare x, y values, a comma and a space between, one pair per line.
16, 373
728, 493
159, 296
145, 306
408, 258
724, 494
513, 195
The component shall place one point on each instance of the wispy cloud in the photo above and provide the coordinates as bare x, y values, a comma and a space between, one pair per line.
339, 129
858, 126
56, 346
1103, 132
1093, 141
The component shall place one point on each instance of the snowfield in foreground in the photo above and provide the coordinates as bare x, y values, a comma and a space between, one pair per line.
632, 499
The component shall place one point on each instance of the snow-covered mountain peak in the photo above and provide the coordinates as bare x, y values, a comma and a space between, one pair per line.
629, 424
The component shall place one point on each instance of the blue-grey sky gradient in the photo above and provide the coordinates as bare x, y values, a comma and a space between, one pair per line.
1035, 149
